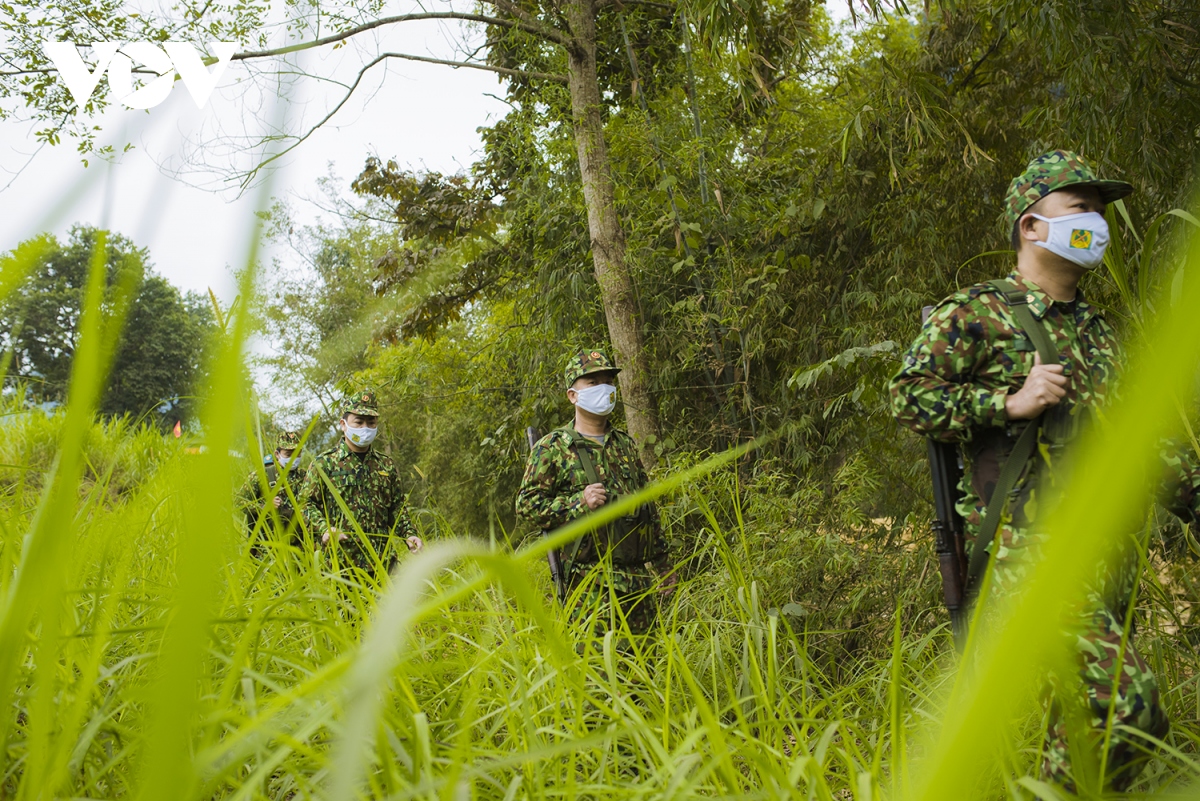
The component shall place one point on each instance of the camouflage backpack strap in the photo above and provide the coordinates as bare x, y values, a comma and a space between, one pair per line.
1018, 304
589, 470
585, 460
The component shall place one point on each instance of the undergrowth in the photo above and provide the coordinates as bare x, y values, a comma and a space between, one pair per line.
798, 659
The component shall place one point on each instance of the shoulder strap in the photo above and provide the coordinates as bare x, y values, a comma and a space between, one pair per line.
272, 473
589, 470
585, 459
1009, 473
1018, 304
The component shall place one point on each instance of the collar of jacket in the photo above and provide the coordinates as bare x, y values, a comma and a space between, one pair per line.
344, 452
1040, 302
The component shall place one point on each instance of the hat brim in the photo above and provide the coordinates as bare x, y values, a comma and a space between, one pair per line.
613, 370
1109, 190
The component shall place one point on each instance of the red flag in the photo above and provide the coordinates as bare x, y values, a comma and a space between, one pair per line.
178, 429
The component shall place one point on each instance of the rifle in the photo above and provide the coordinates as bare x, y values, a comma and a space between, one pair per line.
949, 536
552, 556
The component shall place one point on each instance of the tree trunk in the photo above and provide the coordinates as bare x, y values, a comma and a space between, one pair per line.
608, 240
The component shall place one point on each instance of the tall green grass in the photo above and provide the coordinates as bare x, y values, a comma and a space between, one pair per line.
147, 653
308, 685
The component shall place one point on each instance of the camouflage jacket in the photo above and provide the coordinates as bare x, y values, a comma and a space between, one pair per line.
972, 353
369, 485
250, 498
551, 491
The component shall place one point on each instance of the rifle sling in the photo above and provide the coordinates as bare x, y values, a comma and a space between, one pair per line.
589, 470
585, 459
1018, 303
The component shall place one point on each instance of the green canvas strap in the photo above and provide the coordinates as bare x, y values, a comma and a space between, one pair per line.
585, 459
1009, 473
589, 471
1018, 303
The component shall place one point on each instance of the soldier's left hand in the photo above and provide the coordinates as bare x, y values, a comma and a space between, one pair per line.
277, 501
414, 544
669, 582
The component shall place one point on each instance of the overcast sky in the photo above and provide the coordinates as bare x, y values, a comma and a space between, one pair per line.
422, 115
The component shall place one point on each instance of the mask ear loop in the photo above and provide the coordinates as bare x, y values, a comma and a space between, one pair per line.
1045, 243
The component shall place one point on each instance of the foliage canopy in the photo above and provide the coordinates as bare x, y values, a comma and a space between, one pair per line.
161, 348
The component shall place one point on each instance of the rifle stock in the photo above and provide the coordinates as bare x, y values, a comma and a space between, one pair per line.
949, 534
552, 556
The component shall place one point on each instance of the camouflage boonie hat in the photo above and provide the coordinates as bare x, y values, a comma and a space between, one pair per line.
287, 441
585, 362
362, 403
1050, 172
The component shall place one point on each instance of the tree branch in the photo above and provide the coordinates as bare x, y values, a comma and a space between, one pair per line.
46, 70
966, 81
541, 31
545, 76
15, 175
523, 22
249, 176
7, 73
556, 9
650, 3
528, 19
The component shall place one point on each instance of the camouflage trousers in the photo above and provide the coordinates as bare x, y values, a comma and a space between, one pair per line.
593, 588
1109, 681
1112, 682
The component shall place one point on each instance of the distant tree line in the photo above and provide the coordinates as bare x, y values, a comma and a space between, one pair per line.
159, 354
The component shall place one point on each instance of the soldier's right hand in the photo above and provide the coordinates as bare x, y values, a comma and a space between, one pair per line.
1044, 387
594, 496
342, 536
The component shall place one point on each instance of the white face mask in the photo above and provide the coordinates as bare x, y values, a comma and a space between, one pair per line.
362, 437
600, 399
1079, 238
284, 461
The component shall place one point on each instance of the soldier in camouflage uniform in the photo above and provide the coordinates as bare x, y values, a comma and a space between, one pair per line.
377, 523
580, 467
974, 376
283, 472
